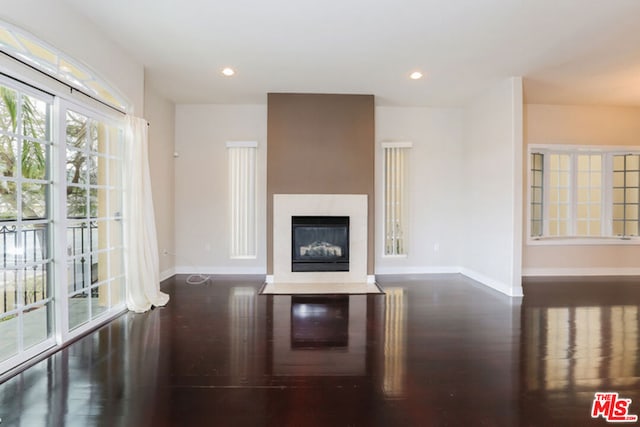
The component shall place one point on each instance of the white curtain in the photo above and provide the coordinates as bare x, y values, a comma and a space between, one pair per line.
141, 245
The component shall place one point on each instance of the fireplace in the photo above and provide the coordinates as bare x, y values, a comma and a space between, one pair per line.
319, 243
351, 206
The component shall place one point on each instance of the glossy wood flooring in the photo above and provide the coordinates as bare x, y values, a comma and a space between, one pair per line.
432, 351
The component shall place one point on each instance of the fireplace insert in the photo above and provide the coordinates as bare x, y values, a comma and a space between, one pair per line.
319, 243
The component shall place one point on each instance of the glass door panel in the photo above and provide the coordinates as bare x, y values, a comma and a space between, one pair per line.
25, 219
94, 234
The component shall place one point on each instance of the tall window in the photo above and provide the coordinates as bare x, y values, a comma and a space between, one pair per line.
584, 192
395, 197
25, 221
242, 198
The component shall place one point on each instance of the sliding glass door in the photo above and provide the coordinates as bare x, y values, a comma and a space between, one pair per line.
61, 249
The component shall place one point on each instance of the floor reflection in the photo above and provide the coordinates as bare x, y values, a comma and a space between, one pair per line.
319, 335
328, 335
243, 311
320, 322
395, 324
441, 350
99, 376
570, 347
571, 352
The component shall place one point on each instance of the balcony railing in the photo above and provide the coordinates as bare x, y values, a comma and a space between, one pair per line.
25, 253
82, 240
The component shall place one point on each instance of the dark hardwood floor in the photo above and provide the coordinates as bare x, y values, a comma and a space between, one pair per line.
434, 351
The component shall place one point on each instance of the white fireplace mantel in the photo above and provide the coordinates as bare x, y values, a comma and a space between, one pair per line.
285, 206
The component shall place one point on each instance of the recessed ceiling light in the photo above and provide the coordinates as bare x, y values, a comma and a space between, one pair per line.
415, 75
228, 71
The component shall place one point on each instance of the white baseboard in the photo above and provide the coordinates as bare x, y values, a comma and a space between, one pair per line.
492, 283
485, 280
219, 270
164, 275
418, 270
589, 271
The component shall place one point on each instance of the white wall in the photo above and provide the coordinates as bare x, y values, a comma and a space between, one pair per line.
61, 27
492, 243
201, 185
435, 184
160, 113
465, 181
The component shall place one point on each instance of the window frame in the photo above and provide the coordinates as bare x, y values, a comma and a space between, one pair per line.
606, 237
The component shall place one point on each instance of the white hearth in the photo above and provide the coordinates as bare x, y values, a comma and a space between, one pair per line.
286, 206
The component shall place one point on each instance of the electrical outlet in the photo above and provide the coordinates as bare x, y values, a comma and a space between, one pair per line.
436, 247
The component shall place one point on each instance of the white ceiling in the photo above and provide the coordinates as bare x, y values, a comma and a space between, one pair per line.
568, 51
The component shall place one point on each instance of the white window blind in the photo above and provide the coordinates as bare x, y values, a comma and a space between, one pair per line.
395, 200
242, 198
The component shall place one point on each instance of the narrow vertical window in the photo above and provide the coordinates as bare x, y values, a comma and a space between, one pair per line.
395, 200
559, 195
242, 198
626, 194
537, 172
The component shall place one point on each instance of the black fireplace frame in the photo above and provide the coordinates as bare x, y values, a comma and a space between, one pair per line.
319, 264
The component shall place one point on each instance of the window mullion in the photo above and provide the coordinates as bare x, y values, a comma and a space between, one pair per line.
60, 223
20, 268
